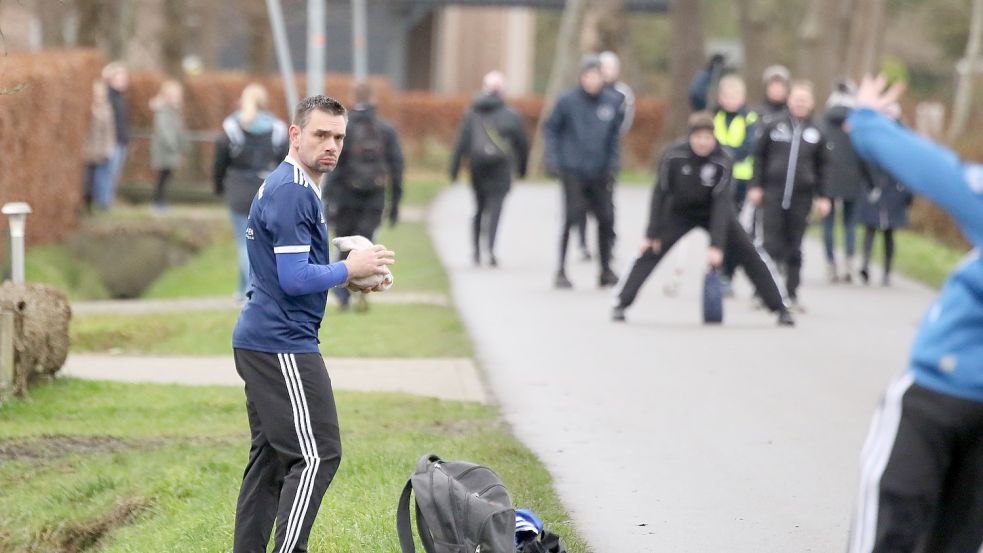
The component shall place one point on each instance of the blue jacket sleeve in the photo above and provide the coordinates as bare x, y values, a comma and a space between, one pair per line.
698, 89
298, 277
922, 166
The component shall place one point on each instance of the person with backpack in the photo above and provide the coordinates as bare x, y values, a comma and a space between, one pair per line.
493, 138
583, 140
694, 189
791, 167
922, 463
252, 143
848, 180
883, 208
370, 169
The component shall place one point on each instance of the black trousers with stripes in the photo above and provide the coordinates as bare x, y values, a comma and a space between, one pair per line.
295, 451
921, 483
739, 248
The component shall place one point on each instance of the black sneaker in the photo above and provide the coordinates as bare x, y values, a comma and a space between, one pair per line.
865, 276
608, 278
785, 318
562, 282
618, 314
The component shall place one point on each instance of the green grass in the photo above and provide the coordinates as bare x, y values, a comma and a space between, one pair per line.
214, 271
55, 265
420, 192
142, 468
385, 331
916, 256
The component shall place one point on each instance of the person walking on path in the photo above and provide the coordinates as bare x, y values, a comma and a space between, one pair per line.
118, 78
296, 444
252, 143
694, 189
790, 174
883, 209
493, 138
583, 135
370, 168
167, 143
922, 463
100, 146
848, 179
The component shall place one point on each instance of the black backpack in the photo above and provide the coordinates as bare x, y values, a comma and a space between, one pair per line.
367, 148
460, 508
488, 146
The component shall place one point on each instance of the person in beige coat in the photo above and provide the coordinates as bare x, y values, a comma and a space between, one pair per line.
100, 144
167, 143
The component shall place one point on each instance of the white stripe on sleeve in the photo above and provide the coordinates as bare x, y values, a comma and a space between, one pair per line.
292, 249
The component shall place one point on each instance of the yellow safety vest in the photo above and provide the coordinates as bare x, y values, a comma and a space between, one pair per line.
733, 137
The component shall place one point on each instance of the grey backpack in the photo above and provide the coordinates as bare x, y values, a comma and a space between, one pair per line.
460, 508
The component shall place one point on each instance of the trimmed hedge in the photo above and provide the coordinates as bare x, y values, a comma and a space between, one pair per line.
44, 115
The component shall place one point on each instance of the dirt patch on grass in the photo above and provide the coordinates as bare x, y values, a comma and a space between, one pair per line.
48, 448
86, 536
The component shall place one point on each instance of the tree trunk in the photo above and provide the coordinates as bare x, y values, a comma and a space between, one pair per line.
260, 37
172, 37
864, 39
966, 71
605, 27
52, 16
93, 19
686, 58
754, 27
562, 74
818, 46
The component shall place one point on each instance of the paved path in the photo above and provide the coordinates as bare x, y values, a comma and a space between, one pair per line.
662, 434
455, 379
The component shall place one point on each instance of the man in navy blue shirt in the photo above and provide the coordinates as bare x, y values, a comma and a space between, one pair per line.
921, 484
296, 445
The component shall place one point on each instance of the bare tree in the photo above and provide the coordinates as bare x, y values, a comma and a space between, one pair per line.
94, 17
260, 37
172, 36
605, 27
752, 17
52, 16
686, 58
818, 46
863, 42
562, 73
966, 70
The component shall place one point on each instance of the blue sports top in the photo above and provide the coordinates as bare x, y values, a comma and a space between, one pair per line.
287, 241
947, 355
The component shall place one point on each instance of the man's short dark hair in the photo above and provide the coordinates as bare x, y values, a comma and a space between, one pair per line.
320, 103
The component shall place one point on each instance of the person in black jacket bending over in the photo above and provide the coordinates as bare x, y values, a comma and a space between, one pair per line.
694, 188
371, 163
583, 135
493, 138
790, 172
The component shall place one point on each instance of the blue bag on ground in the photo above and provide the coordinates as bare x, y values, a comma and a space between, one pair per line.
713, 298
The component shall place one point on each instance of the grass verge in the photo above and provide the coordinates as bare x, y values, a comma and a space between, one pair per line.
127, 468
385, 331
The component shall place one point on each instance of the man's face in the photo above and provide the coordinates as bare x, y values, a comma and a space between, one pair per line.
702, 142
592, 82
776, 91
120, 80
731, 98
801, 102
318, 144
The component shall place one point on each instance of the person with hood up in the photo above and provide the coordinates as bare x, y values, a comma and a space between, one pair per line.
492, 138
253, 143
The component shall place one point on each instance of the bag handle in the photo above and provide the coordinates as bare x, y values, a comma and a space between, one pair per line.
424, 462
403, 529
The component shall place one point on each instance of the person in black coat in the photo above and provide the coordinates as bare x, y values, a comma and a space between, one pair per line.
694, 188
847, 182
583, 135
883, 208
253, 143
493, 138
791, 168
370, 169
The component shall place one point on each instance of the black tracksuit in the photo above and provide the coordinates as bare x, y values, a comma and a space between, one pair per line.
790, 164
690, 192
583, 135
491, 181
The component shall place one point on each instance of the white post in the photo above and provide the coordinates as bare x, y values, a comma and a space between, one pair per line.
286, 64
359, 42
315, 47
17, 213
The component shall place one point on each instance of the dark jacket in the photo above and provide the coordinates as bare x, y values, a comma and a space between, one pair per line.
121, 116
885, 203
783, 177
769, 112
491, 110
243, 157
340, 190
847, 177
583, 134
695, 189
